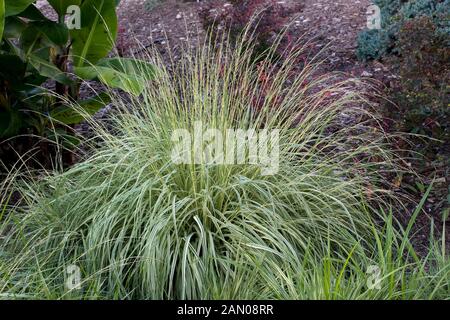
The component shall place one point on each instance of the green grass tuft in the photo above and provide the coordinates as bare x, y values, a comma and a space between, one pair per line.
142, 227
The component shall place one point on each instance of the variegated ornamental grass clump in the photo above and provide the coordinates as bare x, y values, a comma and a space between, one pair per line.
138, 225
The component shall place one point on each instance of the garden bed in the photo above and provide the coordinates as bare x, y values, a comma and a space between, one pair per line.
146, 220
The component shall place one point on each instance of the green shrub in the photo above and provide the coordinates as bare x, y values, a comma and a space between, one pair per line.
388, 9
442, 20
418, 8
372, 44
375, 44
424, 68
416, 36
437, 11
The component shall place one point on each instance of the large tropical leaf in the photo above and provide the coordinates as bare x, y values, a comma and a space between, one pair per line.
12, 69
2, 18
112, 78
10, 123
47, 69
57, 33
61, 6
62, 137
69, 115
33, 13
98, 32
30, 39
129, 75
129, 65
13, 7
40, 34
14, 27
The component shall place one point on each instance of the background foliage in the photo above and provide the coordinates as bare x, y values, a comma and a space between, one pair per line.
43, 64
415, 41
